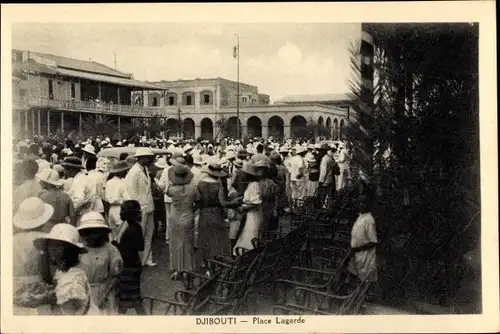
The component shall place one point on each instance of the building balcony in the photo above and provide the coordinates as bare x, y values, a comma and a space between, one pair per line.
87, 107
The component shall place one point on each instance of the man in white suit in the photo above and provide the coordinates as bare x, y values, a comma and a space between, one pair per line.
138, 183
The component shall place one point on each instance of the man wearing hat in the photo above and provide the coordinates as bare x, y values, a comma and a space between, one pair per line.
53, 194
297, 174
327, 171
88, 150
139, 187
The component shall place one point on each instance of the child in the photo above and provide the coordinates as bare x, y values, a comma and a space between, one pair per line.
102, 262
130, 241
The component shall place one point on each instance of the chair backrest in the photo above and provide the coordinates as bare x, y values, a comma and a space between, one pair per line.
200, 302
356, 299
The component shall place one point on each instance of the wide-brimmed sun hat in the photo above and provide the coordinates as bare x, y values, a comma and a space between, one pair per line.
58, 168
177, 159
49, 176
89, 149
93, 220
32, 213
215, 169
283, 149
249, 168
300, 150
144, 152
187, 148
63, 232
119, 166
72, 162
161, 163
198, 160
230, 155
180, 174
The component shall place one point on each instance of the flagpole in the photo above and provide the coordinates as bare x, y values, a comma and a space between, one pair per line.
238, 88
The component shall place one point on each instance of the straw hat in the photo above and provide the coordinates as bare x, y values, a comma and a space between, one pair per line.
143, 152
49, 176
32, 213
214, 169
92, 220
283, 149
89, 149
161, 163
187, 148
177, 159
72, 162
310, 147
300, 150
180, 174
120, 166
230, 155
198, 160
61, 232
250, 169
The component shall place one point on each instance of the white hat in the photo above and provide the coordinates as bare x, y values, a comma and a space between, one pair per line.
237, 142
119, 143
230, 148
230, 155
144, 152
170, 141
300, 149
317, 145
92, 219
32, 213
162, 163
89, 149
187, 148
61, 232
283, 149
198, 160
49, 176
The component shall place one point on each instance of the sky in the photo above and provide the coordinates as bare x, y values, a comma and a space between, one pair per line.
280, 58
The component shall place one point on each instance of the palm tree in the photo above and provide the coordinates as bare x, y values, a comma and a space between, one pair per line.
99, 125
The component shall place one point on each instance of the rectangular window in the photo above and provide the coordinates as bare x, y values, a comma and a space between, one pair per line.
51, 90
170, 100
189, 100
206, 99
73, 90
244, 99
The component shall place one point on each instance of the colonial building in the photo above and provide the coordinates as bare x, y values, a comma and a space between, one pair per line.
53, 93
199, 106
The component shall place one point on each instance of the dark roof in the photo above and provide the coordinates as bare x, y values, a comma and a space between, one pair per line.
308, 98
80, 65
107, 78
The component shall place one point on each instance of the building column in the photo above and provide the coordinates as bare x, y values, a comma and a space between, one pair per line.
48, 123
287, 131
33, 123
26, 123
244, 131
119, 101
119, 126
265, 131
62, 122
80, 123
197, 131
39, 122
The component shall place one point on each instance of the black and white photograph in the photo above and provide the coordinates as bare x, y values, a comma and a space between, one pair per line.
247, 175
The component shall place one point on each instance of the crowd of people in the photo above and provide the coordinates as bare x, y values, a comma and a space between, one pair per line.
84, 225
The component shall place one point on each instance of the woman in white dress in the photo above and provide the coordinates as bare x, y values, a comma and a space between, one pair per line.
252, 205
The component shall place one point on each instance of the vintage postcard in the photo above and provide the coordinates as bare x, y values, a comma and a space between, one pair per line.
249, 168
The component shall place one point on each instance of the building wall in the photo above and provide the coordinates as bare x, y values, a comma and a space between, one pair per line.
38, 87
